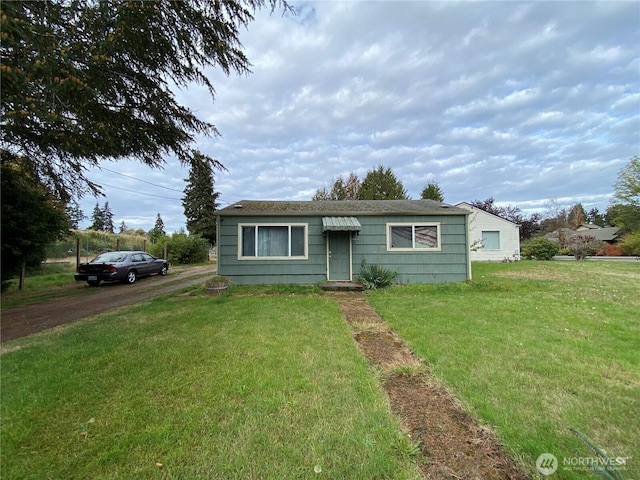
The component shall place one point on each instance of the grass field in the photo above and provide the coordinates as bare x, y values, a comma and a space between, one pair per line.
238, 387
268, 383
534, 348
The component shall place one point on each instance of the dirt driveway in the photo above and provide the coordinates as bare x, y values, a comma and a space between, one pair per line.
24, 320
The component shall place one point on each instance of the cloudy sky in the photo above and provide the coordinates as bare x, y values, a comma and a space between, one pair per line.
525, 102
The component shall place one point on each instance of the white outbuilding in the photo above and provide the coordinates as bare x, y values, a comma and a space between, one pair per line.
492, 238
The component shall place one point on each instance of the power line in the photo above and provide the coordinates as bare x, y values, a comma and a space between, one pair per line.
140, 180
141, 193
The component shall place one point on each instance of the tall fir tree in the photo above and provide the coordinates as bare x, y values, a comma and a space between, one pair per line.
97, 219
200, 201
107, 218
381, 184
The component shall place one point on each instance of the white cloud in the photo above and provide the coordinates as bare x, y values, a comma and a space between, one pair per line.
520, 101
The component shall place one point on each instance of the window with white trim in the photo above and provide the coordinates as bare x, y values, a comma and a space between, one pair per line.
490, 240
272, 241
413, 236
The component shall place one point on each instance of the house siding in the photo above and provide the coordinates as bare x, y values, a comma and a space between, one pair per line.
449, 264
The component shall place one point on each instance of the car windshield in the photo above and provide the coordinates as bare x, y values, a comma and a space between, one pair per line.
111, 257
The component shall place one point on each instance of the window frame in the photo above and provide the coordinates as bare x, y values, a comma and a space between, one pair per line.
257, 226
413, 226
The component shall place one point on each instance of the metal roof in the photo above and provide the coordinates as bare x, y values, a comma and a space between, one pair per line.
340, 208
340, 224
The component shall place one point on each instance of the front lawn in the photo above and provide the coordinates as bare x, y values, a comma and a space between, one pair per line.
247, 387
534, 348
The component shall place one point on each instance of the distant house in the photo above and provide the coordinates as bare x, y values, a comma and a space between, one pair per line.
307, 242
492, 238
604, 234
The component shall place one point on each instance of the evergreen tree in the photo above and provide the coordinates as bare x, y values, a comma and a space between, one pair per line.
123, 227
157, 231
200, 201
87, 80
381, 184
32, 218
107, 219
432, 191
97, 219
594, 217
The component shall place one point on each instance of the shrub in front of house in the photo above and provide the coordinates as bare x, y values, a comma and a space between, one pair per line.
539, 248
374, 276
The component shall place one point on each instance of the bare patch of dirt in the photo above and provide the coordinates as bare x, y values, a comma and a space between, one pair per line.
452, 444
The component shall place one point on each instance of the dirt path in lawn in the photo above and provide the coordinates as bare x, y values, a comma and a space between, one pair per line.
452, 445
24, 320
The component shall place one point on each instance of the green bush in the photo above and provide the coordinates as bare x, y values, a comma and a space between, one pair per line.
374, 276
539, 248
631, 244
182, 248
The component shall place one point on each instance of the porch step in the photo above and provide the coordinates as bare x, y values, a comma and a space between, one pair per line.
342, 287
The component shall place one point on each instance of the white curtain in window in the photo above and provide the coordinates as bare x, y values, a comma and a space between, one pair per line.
273, 241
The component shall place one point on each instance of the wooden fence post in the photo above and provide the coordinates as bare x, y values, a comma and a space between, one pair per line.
23, 272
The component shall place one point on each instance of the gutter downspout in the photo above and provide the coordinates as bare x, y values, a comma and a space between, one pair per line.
466, 222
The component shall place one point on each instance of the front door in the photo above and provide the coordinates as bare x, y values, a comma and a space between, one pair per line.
339, 253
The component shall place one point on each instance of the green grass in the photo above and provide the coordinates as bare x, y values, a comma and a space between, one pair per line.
246, 386
535, 348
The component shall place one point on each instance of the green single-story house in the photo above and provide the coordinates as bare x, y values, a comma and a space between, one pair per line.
308, 242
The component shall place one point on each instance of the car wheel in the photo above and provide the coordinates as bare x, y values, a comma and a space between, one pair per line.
131, 277
163, 270
93, 283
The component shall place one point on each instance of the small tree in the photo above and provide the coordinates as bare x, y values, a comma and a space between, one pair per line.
577, 216
341, 189
432, 191
582, 246
75, 214
157, 231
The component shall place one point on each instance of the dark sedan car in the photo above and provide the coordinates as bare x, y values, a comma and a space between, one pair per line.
120, 266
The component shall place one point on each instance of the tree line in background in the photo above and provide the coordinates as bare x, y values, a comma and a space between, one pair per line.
624, 212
